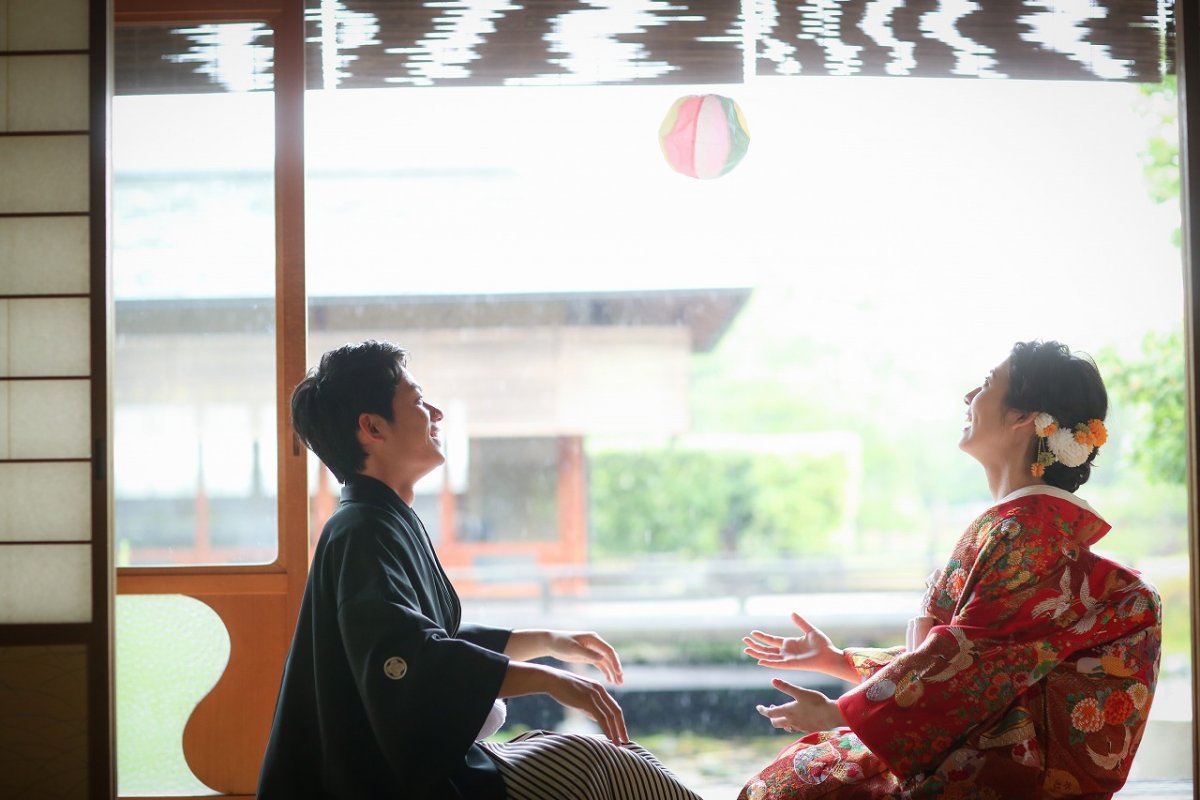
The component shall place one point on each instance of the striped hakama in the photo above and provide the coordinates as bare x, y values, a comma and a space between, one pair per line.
542, 765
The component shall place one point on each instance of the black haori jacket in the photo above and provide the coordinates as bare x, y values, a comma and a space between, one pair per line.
383, 690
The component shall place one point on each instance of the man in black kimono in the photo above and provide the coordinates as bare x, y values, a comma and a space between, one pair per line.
385, 691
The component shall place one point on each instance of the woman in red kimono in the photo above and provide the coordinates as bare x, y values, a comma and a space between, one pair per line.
1030, 669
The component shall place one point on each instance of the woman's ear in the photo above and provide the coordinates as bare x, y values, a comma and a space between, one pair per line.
1024, 419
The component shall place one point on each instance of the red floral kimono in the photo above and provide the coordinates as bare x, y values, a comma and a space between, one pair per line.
1035, 682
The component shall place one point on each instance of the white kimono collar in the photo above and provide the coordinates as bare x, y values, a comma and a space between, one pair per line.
1053, 491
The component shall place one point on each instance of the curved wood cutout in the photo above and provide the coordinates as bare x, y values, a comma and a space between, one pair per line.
227, 733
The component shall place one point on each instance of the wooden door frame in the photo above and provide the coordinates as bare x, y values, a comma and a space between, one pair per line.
266, 594
1187, 55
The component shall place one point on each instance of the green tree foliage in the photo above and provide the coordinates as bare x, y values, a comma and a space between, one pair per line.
708, 503
1154, 385
1160, 159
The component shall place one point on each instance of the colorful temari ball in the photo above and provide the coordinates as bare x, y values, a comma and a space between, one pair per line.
704, 135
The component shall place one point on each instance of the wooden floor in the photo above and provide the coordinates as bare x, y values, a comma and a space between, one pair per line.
1152, 790
1135, 790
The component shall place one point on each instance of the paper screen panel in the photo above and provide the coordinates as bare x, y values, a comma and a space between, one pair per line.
45, 419
45, 93
47, 25
45, 502
45, 583
43, 174
47, 255
44, 337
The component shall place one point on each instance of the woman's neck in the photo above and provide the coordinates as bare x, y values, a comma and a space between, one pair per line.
1004, 479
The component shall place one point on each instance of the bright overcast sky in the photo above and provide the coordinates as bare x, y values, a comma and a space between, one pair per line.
935, 202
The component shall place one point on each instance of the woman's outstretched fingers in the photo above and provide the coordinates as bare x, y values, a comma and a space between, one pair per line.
790, 689
761, 645
762, 637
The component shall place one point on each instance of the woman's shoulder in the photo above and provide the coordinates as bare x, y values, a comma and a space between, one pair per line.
1055, 515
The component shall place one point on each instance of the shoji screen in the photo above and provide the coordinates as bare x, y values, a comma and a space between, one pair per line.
55, 568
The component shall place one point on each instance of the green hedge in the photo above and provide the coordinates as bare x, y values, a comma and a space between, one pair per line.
706, 503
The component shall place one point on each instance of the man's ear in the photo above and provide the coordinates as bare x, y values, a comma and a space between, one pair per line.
368, 428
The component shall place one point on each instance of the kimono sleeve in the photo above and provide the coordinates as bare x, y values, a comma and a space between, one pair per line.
866, 661
1019, 617
494, 639
425, 694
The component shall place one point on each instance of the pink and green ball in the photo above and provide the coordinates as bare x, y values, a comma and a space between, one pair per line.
704, 135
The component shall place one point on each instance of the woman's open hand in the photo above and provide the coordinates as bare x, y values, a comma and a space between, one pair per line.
811, 650
807, 711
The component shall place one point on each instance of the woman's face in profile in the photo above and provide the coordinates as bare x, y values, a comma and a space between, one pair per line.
989, 420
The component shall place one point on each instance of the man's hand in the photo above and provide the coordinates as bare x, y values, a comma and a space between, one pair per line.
572, 691
811, 650
807, 711
574, 647
587, 648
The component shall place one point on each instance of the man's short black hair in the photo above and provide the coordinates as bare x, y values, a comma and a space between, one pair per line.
352, 380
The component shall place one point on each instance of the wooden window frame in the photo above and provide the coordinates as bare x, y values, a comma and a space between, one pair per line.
286, 576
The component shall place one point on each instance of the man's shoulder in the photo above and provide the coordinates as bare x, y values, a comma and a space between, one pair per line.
354, 515
356, 523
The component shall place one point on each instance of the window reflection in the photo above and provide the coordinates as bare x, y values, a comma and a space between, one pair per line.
194, 271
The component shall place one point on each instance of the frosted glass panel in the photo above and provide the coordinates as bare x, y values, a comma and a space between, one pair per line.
46, 419
45, 502
47, 24
44, 256
171, 650
44, 337
45, 583
47, 93
43, 174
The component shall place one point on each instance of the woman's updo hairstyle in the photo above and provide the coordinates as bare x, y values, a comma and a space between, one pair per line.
1047, 377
